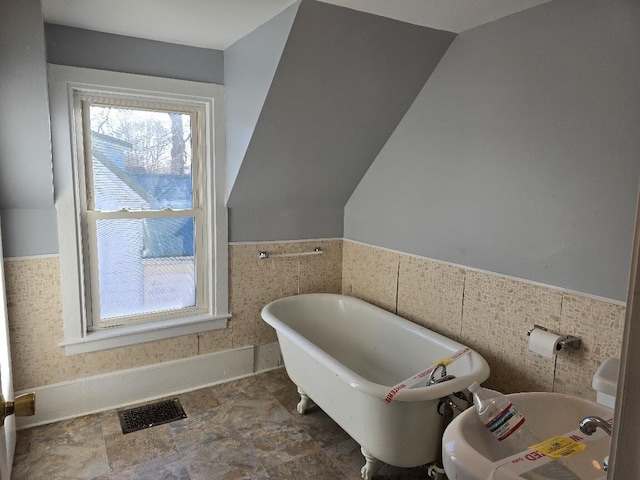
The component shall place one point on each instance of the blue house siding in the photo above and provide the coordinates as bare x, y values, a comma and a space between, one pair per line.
162, 238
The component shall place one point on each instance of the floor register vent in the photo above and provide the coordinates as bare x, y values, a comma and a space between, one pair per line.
147, 416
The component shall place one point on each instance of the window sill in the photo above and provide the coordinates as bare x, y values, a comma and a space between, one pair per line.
147, 332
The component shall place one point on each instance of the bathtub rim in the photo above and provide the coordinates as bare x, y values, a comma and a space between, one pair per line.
479, 373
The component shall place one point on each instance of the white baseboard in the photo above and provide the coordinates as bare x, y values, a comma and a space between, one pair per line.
98, 393
267, 357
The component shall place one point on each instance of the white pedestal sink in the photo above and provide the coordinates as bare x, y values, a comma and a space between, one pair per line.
470, 452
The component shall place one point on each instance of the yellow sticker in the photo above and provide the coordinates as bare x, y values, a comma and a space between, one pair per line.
559, 447
445, 361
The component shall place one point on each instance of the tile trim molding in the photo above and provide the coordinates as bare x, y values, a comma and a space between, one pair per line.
98, 393
496, 274
271, 242
466, 267
31, 257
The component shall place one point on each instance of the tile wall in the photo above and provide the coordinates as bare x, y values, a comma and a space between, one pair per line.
488, 312
491, 314
34, 304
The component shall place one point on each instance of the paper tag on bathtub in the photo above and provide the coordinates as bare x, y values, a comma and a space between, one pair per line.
419, 376
444, 361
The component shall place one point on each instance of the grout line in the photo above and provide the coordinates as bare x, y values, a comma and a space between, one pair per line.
101, 418
555, 360
464, 291
299, 274
182, 459
398, 285
555, 368
338, 467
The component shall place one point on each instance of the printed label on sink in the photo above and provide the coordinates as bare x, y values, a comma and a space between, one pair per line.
559, 447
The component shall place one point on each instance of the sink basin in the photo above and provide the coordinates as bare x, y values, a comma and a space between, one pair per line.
470, 452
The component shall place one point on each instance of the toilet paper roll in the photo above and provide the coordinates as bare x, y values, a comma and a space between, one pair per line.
544, 343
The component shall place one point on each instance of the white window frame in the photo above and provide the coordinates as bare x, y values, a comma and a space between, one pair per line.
91, 215
64, 82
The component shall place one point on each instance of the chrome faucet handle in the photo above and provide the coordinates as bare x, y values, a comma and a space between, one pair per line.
589, 425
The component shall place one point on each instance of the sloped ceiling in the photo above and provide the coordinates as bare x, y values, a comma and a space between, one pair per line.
249, 67
344, 81
452, 15
309, 106
220, 23
521, 154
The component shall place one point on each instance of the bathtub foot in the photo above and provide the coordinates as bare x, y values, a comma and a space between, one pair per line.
371, 467
303, 405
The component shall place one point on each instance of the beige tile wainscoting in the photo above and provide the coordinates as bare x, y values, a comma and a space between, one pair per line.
492, 314
34, 301
486, 311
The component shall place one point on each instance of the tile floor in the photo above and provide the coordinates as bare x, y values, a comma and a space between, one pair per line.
245, 429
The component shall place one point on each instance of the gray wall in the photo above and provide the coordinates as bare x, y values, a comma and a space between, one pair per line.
344, 81
29, 221
521, 154
249, 67
76, 47
26, 184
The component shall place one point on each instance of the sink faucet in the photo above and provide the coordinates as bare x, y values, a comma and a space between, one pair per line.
589, 425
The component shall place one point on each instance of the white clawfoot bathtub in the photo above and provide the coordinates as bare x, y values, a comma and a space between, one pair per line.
348, 355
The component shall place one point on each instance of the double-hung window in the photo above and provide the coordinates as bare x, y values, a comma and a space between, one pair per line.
143, 253
143, 208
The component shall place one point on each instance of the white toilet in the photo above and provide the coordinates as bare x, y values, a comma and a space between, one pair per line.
605, 382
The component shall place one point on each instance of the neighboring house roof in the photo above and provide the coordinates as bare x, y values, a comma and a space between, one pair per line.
117, 187
158, 189
161, 238
127, 189
110, 139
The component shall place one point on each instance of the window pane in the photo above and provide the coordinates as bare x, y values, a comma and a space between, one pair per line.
145, 265
143, 156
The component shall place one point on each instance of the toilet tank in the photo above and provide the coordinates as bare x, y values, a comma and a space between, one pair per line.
605, 382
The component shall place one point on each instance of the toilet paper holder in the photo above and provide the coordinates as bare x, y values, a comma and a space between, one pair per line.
566, 340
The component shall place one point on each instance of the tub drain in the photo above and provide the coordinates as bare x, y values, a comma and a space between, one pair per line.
147, 416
